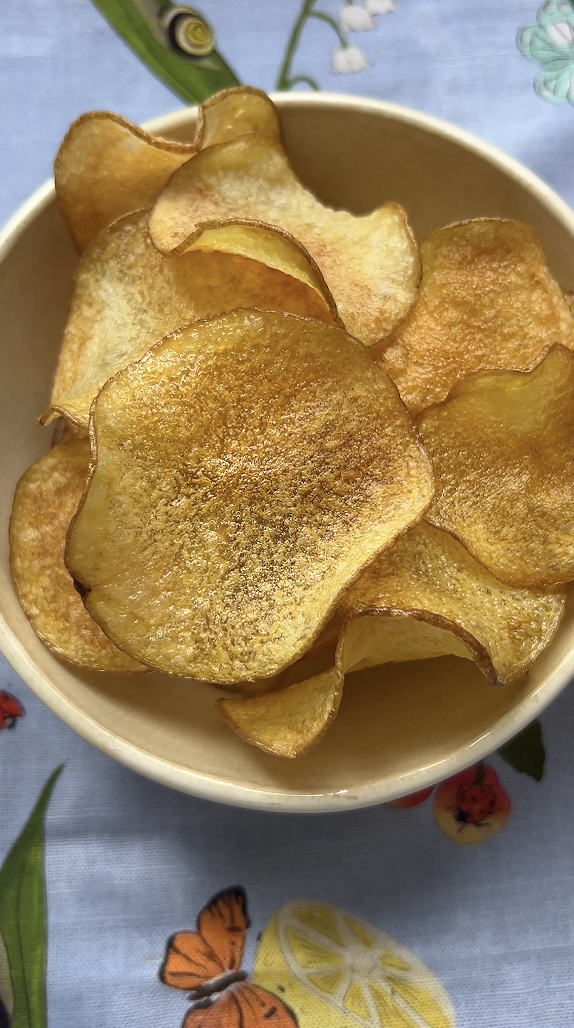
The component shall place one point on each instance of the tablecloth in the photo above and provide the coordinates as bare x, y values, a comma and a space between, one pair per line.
481, 936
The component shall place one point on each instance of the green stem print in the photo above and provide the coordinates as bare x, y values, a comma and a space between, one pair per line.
23, 923
285, 80
175, 42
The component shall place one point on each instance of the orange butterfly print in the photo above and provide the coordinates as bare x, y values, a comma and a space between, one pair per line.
207, 964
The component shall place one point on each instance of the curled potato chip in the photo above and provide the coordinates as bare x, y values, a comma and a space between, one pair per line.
427, 596
502, 448
424, 597
65, 432
245, 470
291, 721
128, 296
45, 501
275, 250
107, 167
236, 112
370, 263
486, 300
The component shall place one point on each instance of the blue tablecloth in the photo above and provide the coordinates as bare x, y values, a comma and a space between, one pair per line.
128, 862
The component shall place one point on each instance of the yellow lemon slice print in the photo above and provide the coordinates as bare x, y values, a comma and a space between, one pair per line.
337, 971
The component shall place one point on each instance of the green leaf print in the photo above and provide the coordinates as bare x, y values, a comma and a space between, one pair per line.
176, 44
23, 918
526, 752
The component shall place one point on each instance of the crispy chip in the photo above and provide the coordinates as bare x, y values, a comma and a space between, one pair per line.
247, 468
424, 597
107, 167
370, 263
275, 250
502, 448
128, 296
427, 596
486, 300
236, 112
46, 499
65, 432
290, 722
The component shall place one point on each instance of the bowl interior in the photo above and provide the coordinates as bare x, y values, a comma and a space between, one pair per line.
401, 727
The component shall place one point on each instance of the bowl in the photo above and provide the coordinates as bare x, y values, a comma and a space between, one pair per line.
401, 727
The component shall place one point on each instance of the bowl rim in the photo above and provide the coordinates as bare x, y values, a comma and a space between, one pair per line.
215, 788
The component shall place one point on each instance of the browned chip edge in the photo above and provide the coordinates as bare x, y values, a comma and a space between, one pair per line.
205, 226
54, 650
478, 652
222, 703
437, 522
213, 100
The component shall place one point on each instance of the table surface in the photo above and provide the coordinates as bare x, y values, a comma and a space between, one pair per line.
128, 862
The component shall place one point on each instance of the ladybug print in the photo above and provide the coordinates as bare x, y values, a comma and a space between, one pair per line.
471, 806
474, 804
10, 710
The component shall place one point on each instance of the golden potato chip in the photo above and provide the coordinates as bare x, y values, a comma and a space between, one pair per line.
128, 296
370, 263
236, 112
275, 250
290, 722
486, 300
45, 501
319, 657
426, 596
502, 448
107, 167
245, 470
65, 432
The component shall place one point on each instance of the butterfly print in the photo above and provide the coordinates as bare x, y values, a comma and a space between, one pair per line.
207, 964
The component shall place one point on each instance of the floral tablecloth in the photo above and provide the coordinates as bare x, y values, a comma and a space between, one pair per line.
384, 916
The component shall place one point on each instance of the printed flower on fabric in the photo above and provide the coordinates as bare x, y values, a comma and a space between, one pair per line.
469, 807
374, 7
348, 60
355, 19
550, 44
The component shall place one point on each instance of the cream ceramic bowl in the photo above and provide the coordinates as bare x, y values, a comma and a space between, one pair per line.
401, 727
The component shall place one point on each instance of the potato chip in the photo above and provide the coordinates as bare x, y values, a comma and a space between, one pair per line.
128, 296
502, 448
107, 167
486, 300
290, 722
275, 250
370, 263
245, 470
426, 596
236, 112
45, 501
65, 432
